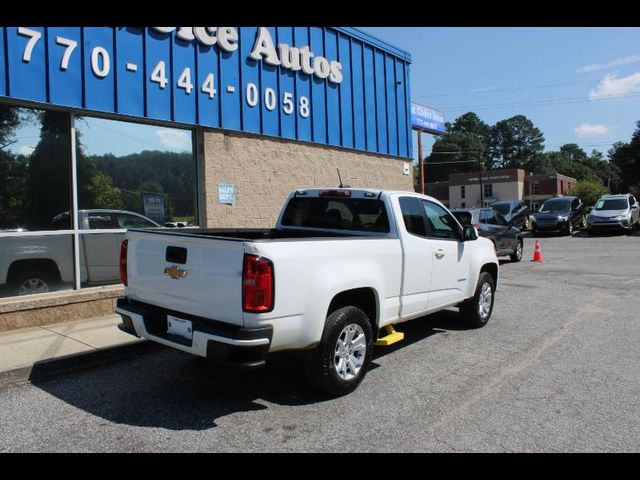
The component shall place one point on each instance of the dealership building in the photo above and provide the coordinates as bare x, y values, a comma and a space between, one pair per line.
465, 190
108, 128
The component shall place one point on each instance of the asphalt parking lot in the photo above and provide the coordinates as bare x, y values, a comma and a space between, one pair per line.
556, 369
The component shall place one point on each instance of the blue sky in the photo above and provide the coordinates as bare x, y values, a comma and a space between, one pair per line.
565, 80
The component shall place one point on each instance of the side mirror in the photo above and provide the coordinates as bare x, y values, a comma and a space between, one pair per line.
469, 233
635, 207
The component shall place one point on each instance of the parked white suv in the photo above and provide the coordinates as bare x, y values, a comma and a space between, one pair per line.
614, 212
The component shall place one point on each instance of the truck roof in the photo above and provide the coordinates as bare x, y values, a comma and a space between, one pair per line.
365, 192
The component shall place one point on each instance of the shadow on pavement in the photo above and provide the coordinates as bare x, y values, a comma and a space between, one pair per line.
176, 391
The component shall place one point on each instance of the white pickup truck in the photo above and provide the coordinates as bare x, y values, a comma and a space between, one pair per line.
340, 269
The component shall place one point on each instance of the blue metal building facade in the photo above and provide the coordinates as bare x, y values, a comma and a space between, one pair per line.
140, 72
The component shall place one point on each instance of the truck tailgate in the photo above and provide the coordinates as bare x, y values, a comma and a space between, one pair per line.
208, 284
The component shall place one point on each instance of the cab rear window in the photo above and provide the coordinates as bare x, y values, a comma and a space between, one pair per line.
337, 214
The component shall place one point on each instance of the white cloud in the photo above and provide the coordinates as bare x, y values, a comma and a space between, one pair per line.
174, 138
26, 150
588, 130
612, 86
614, 63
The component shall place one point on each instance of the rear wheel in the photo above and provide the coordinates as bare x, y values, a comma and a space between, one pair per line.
476, 311
340, 362
516, 256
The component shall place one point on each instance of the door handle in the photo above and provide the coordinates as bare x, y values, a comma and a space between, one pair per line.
439, 253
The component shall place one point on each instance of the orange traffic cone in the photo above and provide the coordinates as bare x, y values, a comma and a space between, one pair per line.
537, 256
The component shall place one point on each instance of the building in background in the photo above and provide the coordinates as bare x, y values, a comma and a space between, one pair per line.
470, 190
210, 126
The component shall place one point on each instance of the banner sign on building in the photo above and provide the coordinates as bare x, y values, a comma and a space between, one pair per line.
329, 85
427, 119
154, 207
226, 193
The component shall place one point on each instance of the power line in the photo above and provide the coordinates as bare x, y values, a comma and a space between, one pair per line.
555, 101
529, 87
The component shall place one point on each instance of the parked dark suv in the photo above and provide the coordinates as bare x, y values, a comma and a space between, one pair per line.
506, 238
560, 214
514, 211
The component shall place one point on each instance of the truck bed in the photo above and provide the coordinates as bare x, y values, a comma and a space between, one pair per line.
255, 234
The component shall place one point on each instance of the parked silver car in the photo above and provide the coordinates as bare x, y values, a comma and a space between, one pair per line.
614, 212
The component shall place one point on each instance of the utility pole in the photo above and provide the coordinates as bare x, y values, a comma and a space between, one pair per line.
420, 163
481, 187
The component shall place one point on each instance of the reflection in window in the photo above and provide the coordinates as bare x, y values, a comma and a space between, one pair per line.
129, 176
35, 169
136, 168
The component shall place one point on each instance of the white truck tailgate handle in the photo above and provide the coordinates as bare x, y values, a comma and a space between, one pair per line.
439, 253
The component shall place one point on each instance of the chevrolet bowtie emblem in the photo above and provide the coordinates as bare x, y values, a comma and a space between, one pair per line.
175, 272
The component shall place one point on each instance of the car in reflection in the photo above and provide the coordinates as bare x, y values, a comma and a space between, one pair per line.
560, 214
614, 212
34, 263
506, 238
514, 211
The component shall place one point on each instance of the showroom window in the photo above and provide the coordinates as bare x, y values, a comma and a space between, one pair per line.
128, 175
36, 250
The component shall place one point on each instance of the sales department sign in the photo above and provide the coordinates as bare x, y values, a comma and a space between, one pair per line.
335, 86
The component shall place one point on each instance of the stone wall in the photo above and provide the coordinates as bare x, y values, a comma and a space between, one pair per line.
264, 170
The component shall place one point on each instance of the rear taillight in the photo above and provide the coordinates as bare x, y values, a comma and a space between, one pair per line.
123, 261
257, 284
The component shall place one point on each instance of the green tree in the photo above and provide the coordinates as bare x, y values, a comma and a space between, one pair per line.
461, 151
626, 157
515, 143
102, 194
589, 191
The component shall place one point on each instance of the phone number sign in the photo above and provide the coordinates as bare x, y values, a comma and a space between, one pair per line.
305, 83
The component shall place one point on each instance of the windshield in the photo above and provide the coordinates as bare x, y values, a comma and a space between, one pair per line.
612, 204
501, 208
555, 207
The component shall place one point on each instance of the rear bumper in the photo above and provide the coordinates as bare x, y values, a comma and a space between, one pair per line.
222, 342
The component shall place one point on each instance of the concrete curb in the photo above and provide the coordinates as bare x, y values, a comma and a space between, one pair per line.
56, 367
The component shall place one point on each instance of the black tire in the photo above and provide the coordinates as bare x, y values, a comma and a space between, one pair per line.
569, 229
516, 256
41, 281
469, 310
321, 371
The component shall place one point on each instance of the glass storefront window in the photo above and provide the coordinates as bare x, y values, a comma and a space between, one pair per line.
129, 176
35, 189
35, 169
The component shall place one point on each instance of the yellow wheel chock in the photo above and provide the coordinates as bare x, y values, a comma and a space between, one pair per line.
391, 337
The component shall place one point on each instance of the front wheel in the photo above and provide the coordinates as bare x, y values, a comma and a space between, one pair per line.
516, 256
340, 362
477, 310
29, 282
569, 230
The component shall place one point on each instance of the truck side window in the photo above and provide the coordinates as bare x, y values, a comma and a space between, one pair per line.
412, 216
440, 223
131, 221
102, 220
